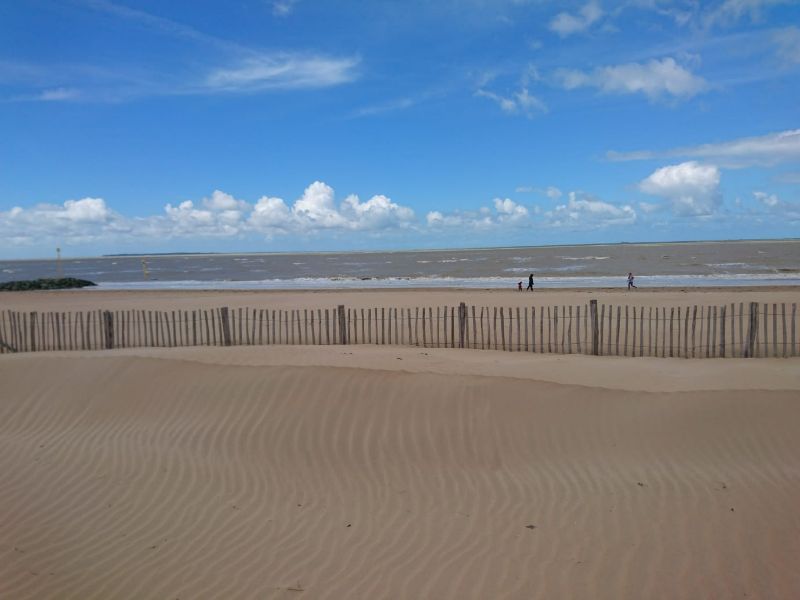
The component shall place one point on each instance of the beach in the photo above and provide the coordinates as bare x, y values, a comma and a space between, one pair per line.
177, 299
395, 472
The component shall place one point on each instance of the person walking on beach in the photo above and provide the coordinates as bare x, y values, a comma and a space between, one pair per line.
630, 282
530, 282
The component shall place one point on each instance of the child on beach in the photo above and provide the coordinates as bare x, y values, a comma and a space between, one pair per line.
630, 282
519, 286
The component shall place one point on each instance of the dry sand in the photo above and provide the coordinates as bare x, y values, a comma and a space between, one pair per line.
88, 299
364, 472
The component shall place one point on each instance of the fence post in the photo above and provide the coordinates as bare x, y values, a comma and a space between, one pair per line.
225, 321
751, 336
462, 322
342, 324
595, 331
34, 318
109, 329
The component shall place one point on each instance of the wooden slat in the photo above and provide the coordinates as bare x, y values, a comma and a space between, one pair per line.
775, 330
502, 328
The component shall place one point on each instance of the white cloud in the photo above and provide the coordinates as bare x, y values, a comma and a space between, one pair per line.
271, 215
731, 11
377, 213
284, 71
283, 8
506, 213
582, 211
550, 191
58, 94
788, 43
770, 200
655, 79
691, 188
579, 212
776, 208
553, 192
566, 24
218, 216
649, 207
765, 150
72, 221
385, 107
87, 210
509, 211
520, 102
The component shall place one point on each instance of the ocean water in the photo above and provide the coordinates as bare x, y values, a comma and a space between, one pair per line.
750, 263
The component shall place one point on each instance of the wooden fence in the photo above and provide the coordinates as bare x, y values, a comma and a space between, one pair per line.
751, 330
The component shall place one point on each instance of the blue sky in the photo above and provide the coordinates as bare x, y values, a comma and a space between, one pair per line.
259, 125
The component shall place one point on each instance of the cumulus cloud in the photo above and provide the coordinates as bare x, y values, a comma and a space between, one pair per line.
582, 211
509, 211
655, 79
72, 221
776, 208
506, 213
765, 150
691, 188
521, 102
770, 200
218, 216
579, 212
566, 24
377, 213
553, 192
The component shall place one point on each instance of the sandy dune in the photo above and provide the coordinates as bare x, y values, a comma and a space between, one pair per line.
388, 473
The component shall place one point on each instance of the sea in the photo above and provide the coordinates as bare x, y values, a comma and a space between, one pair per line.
679, 264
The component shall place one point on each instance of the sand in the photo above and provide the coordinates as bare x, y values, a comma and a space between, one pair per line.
88, 299
382, 472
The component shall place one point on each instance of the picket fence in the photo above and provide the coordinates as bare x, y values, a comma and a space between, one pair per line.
726, 331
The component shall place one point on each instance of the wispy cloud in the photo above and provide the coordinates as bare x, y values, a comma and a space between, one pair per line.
566, 24
385, 107
521, 102
283, 71
161, 24
731, 11
220, 66
283, 8
654, 79
788, 44
765, 150
58, 94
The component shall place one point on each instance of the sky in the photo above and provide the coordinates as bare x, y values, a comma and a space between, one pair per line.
309, 125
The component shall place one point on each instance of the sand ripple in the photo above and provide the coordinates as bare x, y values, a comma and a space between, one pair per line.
135, 477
